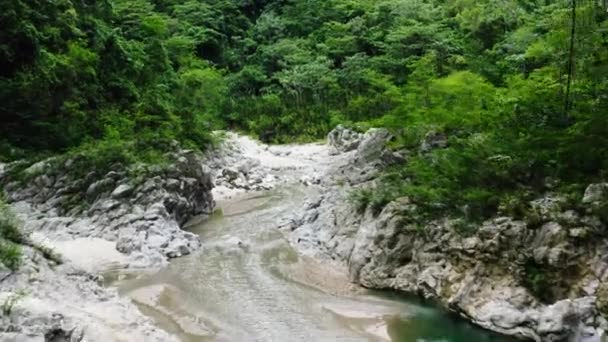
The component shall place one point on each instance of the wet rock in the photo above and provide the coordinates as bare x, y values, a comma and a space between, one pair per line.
120, 213
550, 234
247, 166
45, 181
115, 175
128, 241
235, 242
68, 304
177, 248
548, 207
37, 168
503, 315
173, 184
241, 183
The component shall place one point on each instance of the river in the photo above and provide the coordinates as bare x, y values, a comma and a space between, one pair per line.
248, 284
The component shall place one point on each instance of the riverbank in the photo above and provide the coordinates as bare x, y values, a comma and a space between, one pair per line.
542, 281
94, 223
128, 219
134, 226
248, 283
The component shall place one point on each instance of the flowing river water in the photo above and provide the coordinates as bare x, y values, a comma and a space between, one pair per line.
248, 284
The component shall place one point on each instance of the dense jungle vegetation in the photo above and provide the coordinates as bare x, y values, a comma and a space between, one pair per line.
518, 87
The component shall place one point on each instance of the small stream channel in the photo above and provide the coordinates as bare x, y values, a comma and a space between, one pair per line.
248, 284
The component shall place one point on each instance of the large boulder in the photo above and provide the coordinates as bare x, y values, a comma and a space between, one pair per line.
596, 193
373, 144
344, 139
230, 174
37, 168
122, 190
555, 321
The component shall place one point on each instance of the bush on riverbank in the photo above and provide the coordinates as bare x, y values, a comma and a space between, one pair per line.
10, 238
519, 97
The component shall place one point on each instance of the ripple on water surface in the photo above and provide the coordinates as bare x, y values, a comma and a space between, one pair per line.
248, 284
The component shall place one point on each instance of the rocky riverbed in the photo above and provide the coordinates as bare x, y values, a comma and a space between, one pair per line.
135, 222
122, 219
120, 222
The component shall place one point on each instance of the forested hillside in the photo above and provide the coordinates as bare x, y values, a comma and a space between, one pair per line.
518, 88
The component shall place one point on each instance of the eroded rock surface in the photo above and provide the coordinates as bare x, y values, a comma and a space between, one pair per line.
241, 164
542, 281
127, 218
142, 215
65, 303
344, 140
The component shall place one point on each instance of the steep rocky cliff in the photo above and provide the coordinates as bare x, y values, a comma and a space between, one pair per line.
543, 280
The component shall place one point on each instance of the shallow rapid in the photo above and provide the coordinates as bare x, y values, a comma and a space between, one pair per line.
248, 284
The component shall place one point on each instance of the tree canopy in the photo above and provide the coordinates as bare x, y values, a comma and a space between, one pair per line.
520, 87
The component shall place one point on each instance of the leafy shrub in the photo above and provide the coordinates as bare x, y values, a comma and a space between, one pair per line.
9, 226
464, 227
361, 199
547, 283
374, 198
10, 254
10, 236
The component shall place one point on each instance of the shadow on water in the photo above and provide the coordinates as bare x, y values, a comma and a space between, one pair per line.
433, 324
256, 293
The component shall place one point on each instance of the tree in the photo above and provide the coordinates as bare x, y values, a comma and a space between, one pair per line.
571, 57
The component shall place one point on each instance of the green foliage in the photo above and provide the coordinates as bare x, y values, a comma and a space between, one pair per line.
464, 227
361, 199
10, 254
546, 283
537, 281
121, 81
9, 226
506, 137
67, 64
10, 237
375, 199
